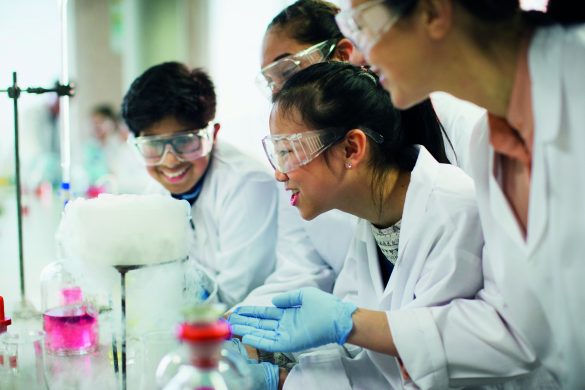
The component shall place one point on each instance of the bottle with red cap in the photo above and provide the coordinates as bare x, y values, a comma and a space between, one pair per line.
4, 322
201, 363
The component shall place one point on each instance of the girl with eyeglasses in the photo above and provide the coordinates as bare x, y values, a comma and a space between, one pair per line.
338, 143
526, 69
170, 109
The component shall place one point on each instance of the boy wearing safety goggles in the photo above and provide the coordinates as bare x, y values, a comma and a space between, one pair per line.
170, 110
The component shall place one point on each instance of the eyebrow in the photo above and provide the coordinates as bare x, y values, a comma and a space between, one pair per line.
283, 55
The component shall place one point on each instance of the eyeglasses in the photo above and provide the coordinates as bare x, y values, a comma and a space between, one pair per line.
291, 151
273, 76
366, 23
188, 145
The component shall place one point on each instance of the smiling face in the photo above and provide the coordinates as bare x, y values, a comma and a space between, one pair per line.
403, 57
175, 175
316, 187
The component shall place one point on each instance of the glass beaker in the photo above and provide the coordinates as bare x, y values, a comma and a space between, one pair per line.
24, 366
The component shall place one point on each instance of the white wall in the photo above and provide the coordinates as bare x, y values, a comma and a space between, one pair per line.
29, 45
236, 35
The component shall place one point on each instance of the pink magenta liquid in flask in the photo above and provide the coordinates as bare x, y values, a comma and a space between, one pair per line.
70, 322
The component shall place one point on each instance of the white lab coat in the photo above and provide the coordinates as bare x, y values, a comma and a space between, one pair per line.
541, 279
439, 259
308, 254
235, 221
458, 118
532, 308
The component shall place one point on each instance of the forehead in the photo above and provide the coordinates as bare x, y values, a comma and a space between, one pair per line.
355, 3
168, 125
278, 44
286, 122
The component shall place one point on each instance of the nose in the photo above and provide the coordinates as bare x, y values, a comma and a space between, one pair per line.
275, 89
169, 157
279, 176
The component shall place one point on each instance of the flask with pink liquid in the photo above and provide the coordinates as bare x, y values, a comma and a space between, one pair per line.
69, 320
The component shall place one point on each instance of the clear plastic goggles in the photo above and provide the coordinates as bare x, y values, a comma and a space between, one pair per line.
366, 23
291, 151
273, 76
188, 145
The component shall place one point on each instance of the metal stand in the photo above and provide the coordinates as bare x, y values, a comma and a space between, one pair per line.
25, 309
123, 270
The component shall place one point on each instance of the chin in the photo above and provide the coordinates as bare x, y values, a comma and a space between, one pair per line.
309, 215
404, 101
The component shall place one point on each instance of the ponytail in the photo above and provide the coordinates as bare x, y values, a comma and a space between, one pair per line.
422, 126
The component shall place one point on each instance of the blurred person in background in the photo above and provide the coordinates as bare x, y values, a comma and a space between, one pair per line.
110, 163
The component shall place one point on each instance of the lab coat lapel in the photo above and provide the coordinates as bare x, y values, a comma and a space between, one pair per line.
500, 207
422, 181
372, 256
544, 66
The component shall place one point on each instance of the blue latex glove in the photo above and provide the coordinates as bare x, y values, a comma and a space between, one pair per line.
302, 319
235, 345
264, 375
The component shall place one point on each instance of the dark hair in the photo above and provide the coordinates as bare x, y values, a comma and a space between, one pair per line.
166, 90
105, 110
308, 21
341, 96
490, 11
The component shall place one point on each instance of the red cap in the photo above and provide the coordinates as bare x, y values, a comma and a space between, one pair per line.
4, 322
213, 331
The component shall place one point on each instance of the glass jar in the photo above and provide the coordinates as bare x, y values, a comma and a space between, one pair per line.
69, 320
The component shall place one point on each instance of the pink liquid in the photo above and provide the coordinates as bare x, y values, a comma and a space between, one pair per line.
71, 330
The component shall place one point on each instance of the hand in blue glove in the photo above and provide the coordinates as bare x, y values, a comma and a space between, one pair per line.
235, 345
302, 319
264, 375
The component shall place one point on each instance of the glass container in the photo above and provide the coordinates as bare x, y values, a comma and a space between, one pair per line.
200, 363
70, 321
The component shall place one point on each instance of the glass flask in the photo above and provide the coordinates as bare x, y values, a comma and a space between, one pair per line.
200, 363
70, 321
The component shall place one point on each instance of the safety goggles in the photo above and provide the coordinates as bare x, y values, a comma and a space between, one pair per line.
291, 151
366, 23
273, 76
188, 145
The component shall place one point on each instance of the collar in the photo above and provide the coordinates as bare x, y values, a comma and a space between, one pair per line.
193, 194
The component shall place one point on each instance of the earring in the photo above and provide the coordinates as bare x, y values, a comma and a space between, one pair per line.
348, 164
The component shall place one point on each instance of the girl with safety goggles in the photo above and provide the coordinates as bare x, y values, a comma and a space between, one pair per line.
170, 109
338, 143
303, 34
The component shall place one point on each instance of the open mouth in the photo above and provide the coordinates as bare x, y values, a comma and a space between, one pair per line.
294, 198
175, 176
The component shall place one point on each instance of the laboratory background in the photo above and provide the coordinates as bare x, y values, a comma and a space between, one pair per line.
110, 44
102, 48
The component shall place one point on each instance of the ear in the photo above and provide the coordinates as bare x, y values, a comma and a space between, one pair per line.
344, 50
355, 145
437, 17
216, 127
